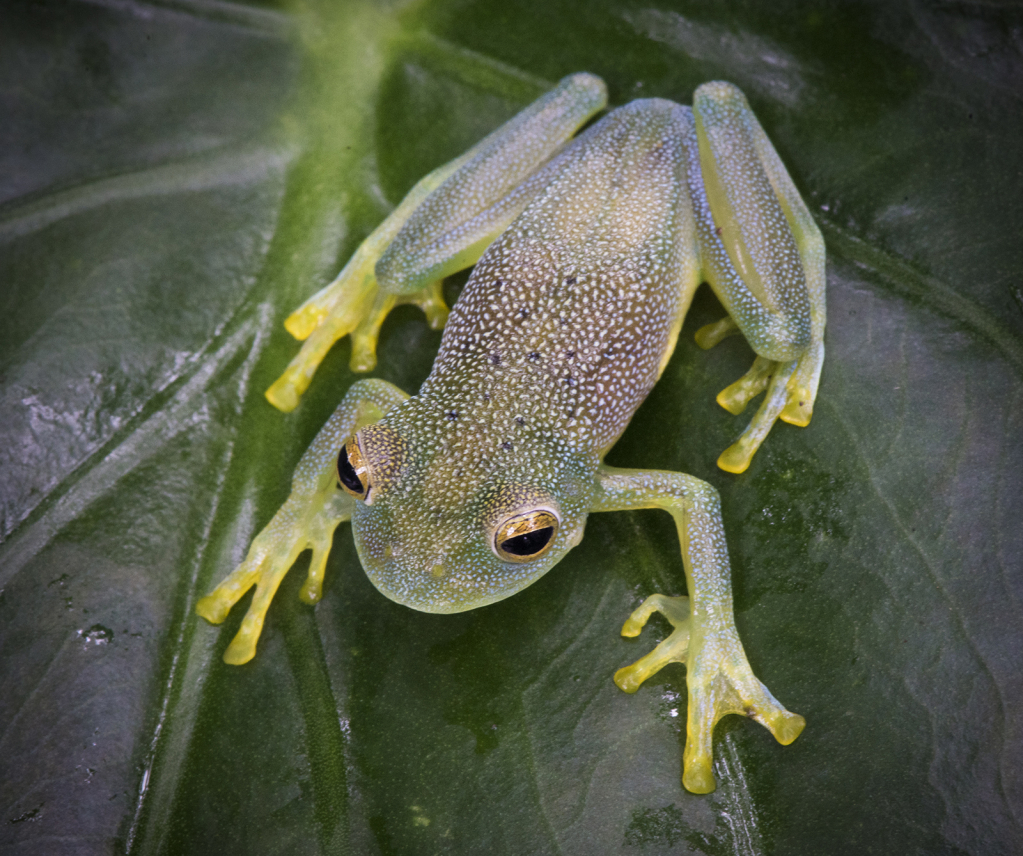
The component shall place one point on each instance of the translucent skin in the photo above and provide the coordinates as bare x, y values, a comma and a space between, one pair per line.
591, 251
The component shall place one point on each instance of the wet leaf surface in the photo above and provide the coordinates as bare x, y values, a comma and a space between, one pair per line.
174, 178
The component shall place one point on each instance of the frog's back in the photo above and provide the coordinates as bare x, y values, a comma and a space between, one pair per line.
569, 317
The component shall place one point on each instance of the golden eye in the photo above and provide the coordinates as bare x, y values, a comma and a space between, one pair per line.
352, 472
526, 536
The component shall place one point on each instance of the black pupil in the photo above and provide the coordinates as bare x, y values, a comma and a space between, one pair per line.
529, 543
346, 472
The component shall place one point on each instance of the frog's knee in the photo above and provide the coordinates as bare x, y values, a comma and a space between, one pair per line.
785, 339
719, 91
698, 775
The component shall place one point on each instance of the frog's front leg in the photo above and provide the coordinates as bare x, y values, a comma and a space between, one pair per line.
307, 520
444, 225
718, 676
764, 257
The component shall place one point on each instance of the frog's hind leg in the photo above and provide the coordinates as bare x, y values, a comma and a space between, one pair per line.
764, 257
444, 225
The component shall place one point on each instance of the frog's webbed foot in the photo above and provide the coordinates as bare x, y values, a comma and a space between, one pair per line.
352, 304
791, 389
303, 522
719, 681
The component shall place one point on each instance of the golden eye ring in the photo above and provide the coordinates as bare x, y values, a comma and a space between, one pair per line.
527, 536
352, 472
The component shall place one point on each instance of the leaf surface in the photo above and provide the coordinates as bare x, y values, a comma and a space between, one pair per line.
176, 177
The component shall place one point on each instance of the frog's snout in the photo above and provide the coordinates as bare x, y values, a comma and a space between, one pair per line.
429, 583
449, 575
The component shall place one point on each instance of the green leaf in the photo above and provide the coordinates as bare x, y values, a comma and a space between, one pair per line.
176, 177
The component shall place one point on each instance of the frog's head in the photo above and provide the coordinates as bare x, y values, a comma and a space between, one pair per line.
436, 538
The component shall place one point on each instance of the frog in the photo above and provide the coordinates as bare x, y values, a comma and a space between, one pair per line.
588, 238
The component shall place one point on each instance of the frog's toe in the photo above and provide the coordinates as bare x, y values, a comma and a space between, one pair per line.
304, 320
698, 757
243, 646
264, 568
216, 605
697, 776
736, 396
431, 301
366, 334
312, 589
711, 334
791, 391
799, 409
803, 387
785, 725
737, 457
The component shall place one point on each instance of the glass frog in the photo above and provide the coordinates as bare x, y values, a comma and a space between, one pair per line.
587, 249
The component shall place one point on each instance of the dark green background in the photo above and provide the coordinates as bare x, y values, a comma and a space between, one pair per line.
175, 177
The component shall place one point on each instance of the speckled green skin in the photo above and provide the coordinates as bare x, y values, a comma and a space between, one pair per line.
564, 326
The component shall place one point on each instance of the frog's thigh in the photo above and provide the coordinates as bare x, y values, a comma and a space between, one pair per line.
764, 257
719, 679
307, 520
750, 254
806, 377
